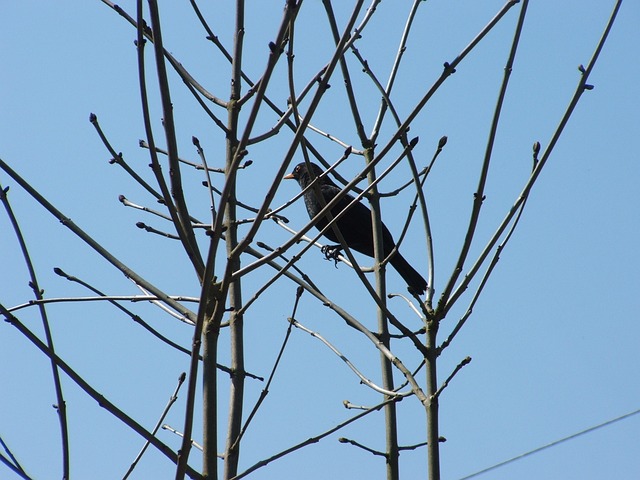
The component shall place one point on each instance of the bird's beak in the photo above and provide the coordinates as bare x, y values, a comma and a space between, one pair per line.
289, 177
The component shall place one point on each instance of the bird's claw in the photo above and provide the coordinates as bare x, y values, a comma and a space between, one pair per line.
331, 252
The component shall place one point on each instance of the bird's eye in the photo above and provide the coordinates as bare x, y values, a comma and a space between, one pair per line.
297, 169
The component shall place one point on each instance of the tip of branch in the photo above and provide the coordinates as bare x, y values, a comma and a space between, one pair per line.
536, 148
264, 245
442, 142
93, 118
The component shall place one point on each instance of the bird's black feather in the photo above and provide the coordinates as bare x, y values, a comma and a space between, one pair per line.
355, 225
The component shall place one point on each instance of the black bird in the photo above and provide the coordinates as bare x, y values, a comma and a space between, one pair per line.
355, 225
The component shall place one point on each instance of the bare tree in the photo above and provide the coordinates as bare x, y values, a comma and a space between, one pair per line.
247, 249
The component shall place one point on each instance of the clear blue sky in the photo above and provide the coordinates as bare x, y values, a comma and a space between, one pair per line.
554, 340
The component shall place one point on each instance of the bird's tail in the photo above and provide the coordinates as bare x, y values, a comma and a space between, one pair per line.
415, 281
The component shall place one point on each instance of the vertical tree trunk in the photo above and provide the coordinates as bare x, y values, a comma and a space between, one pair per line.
236, 330
433, 435
391, 425
210, 399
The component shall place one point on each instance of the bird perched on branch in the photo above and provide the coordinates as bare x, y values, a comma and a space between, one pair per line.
355, 225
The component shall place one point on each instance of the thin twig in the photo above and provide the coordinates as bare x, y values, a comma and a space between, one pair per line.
12, 462
463, 362
155, 231
314, 439
197, 166
414, 447
171, 401
18, 471
333, 138
363, 447
265, 390
60, 405
128, 203
110, 298
118, 159
353, 368
212, 205
181, 435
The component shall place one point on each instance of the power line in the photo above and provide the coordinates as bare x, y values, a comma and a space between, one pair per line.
552, 444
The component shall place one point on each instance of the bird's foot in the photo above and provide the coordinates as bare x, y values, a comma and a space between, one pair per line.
332, 252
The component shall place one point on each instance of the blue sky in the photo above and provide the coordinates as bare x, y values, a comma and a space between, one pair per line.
554, 339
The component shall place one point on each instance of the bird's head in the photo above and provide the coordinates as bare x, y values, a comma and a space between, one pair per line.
303, 176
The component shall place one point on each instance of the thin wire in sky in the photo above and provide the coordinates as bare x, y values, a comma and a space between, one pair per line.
552, 444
